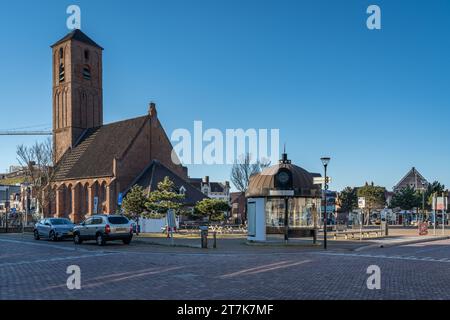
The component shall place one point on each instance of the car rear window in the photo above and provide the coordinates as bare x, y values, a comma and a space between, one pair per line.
60, 221
117, 220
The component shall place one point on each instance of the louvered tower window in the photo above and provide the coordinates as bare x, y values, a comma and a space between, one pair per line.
61, 65
86, 73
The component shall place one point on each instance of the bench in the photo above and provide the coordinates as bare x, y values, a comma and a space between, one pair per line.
361, 233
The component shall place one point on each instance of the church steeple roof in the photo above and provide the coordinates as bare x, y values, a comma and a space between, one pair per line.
77, 35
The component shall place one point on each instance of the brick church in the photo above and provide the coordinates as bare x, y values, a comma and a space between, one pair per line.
94, 162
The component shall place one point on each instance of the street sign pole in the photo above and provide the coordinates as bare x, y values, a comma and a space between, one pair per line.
360, 224
171, 224
361, 205
434, 214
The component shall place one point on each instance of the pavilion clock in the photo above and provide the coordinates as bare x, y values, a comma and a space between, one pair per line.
283, 179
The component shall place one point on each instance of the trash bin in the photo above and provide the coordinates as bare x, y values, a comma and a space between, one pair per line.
204, 236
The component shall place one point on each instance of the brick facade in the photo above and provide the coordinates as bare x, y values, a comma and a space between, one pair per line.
90, 166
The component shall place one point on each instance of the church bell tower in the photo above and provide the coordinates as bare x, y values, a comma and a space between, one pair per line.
77, 90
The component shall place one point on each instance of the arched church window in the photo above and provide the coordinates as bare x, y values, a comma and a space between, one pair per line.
86, 55
86, 73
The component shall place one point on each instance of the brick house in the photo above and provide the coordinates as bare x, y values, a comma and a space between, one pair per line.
412, 179
214, 190
238, 204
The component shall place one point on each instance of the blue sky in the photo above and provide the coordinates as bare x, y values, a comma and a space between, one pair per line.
377, 102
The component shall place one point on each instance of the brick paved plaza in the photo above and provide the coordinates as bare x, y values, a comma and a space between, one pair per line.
37, 270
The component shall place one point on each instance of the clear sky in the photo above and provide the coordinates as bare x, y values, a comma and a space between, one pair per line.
377, 102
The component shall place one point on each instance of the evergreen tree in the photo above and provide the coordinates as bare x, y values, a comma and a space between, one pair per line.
406, 199
348, 199
134, 202
212, 208
165, 197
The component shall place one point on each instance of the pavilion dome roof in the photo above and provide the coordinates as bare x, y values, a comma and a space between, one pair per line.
302, 180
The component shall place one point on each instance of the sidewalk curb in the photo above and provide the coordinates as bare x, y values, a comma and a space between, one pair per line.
155, 243
403, 243
281, 244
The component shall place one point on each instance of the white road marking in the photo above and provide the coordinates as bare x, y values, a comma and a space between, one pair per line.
12, 264
45, 245
381, 256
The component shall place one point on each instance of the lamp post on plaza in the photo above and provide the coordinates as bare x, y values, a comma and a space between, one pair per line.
424, 186
325, 161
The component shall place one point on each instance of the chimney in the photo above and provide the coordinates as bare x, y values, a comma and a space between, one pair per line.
206, 180
152, 110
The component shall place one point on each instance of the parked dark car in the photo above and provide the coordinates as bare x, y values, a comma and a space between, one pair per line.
53, 229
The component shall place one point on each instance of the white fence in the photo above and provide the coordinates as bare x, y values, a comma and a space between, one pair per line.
155, 225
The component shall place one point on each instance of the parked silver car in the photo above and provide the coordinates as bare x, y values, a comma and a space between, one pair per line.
53, 229
102, 228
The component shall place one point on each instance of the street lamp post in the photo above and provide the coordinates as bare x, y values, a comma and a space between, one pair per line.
325, 161
424, 185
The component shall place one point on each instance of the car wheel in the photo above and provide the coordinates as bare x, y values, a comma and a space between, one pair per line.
77, 239
53, 236
100, 239
36, 235
127, 240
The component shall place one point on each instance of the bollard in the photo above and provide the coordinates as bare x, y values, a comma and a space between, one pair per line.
215, 240
204, 236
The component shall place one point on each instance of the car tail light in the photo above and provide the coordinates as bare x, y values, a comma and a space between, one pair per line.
107, 229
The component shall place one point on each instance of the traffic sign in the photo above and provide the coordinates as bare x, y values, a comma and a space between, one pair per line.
321, 180
281, 193
171, 222
440, 203
361, 202
120, 199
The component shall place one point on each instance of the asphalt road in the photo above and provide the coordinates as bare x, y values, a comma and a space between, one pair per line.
32, 269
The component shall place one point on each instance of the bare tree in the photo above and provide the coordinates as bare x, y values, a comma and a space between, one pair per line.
37, 163
244, 168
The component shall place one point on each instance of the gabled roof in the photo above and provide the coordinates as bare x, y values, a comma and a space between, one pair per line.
93, 156
77, 35
412, 174
196, 182
215, 186
156, 172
